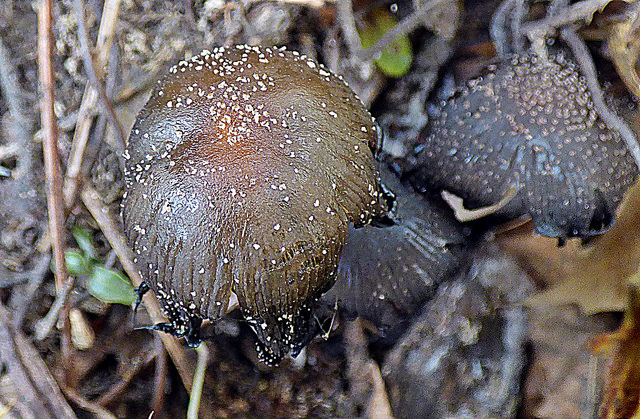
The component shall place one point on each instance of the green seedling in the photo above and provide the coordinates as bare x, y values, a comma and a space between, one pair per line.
395, 60
110, 286
103, 283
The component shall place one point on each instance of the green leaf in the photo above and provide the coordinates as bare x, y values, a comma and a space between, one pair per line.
395, 60
77, 264
111, 286
83, 238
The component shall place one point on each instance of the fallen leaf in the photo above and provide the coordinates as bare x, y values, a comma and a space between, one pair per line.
621, 398
594, 276
624, 47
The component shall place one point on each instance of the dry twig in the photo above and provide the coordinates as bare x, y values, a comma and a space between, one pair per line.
91, 407
55, 203
43, 326
89, 100
613, 121
50, 141
29, 374
160, 377
92, 73
582, 11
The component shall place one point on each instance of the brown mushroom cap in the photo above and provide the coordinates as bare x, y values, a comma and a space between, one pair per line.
243, 173
530, 124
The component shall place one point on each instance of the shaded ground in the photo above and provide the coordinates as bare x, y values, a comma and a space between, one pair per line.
539, 361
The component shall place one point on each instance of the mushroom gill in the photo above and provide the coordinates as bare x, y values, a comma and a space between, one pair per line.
387, 274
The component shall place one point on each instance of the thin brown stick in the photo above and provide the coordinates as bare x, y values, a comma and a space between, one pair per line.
28, 373
55, 202
91, 407
50, 141
160, 376
93, 75
89, 100
43, 326
130, 89
109, 228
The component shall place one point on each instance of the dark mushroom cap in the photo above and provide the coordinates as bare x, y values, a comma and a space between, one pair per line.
530, 124
387, 274
243, 173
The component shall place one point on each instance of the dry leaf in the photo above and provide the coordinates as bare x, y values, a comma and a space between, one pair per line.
593, 276
621, 398
624, 47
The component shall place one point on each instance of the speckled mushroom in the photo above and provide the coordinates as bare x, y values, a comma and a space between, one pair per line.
243, 173
529, 126
387, 274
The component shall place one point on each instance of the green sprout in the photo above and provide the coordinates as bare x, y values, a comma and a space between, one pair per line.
395, 60
103, 283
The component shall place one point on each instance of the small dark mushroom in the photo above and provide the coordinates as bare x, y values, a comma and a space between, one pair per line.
387, 274
529, 126
244, 171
